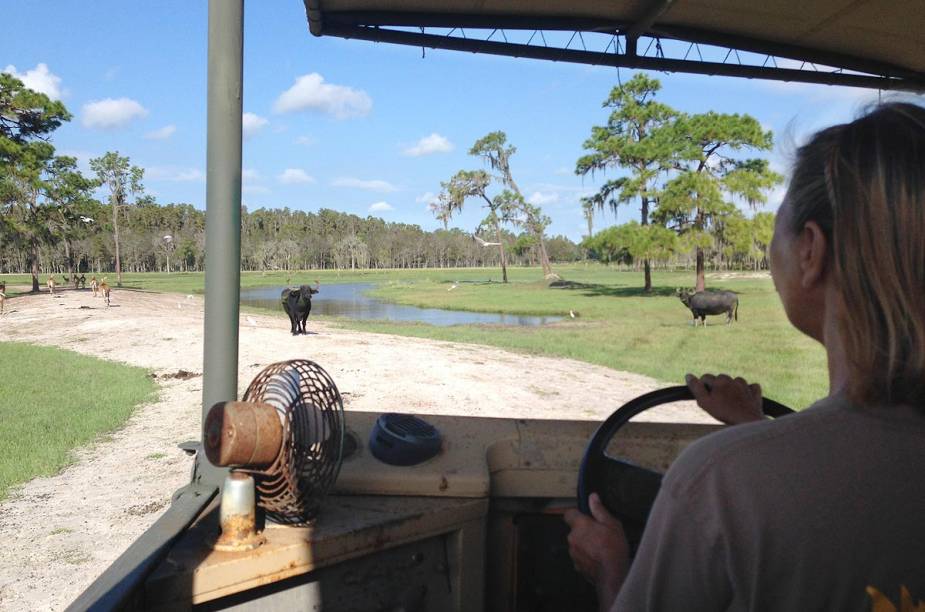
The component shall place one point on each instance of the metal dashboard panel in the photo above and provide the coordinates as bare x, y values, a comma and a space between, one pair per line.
504, 457
377, 507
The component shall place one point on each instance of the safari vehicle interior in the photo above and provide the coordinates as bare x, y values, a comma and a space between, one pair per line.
364, 512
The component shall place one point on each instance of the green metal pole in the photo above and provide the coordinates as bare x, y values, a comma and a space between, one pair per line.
223, 213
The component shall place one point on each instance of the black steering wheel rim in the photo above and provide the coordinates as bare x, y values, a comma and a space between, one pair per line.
631, 499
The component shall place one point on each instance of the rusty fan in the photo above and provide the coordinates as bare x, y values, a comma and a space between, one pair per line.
288, 433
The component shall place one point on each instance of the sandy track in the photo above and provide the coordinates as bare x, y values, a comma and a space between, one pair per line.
59, 533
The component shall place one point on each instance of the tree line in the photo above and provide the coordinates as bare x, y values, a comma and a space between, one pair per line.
51, 221
688, 173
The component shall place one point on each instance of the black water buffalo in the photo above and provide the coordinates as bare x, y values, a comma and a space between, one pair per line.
703, 303
297, 302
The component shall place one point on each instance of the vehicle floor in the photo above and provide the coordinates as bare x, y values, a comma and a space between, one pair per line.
60, 532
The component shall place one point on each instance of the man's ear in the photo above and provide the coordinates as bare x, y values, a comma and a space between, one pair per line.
814, 254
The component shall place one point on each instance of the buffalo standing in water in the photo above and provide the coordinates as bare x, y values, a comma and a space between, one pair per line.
297, 302
705, 303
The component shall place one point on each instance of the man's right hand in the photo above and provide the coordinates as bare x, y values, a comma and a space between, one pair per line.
732, 401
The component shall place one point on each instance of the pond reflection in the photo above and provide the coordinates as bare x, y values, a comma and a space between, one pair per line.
349, 300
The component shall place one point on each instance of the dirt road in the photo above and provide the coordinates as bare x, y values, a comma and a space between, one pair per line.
59, 533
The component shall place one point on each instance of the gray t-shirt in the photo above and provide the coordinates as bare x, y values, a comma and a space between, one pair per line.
801, 513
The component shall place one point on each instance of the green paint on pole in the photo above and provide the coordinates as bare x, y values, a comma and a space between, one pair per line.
223, 213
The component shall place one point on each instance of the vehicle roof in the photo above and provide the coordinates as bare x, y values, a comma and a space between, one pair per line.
884, 39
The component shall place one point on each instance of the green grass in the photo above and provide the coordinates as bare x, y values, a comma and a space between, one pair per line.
620, 327
54, 401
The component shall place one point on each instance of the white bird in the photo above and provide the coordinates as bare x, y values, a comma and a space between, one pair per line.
189, 296
455, 284
84, 219
168, 238
252, 321
572, 314
485, 244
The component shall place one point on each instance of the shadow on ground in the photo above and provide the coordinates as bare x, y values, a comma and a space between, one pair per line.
595, 290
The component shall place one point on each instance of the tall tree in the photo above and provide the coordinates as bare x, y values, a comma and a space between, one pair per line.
711, 179
24, 186
587, 210
494, 149
27, 119
122, 179
443, 209
71, 194
473, 184
25, 116
637, 138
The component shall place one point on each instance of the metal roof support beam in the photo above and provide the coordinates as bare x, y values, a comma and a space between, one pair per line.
656, 9
348, 21
472, 45
223, 213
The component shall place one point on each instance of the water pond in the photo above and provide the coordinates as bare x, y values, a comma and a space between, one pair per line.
350, 301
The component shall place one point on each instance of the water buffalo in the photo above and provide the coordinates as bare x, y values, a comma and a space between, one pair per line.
703, 303
297, 302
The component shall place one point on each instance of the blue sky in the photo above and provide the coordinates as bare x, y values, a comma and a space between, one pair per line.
354, 126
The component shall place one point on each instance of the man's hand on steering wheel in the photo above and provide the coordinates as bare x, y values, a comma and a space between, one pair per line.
599, 550
731, 401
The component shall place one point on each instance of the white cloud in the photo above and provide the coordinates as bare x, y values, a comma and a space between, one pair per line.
310, 92
542, 198
295, 176
249, 174
305, 140
162, 134
251, 124
112, 113
435, 143
381, 207
370, 185
255, 189
426, 198
564, 171
174, 174
39, 79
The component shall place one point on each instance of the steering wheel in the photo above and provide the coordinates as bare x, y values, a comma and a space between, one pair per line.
628, 491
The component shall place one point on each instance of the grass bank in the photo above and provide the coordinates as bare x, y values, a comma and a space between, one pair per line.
53, 401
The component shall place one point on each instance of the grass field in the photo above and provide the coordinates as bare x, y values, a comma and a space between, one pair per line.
53, 401
617, 325
620, 327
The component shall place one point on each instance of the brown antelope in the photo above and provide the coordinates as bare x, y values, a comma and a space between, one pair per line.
104, 289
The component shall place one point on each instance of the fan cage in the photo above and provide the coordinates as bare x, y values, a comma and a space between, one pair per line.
292, 489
